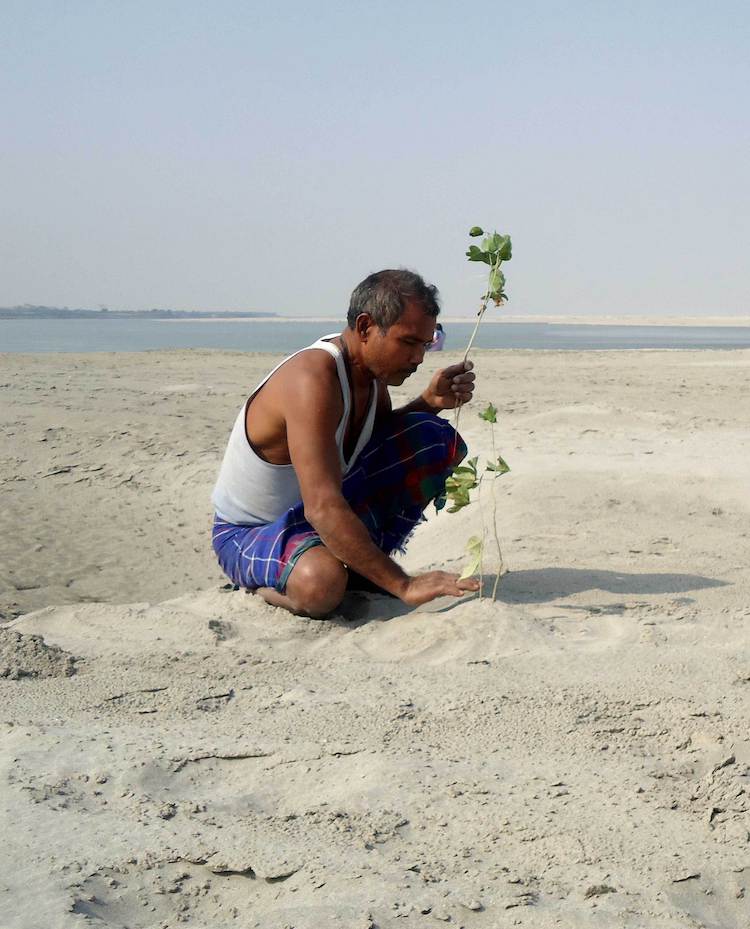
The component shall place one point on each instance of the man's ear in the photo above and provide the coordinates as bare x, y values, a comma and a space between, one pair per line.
363, 325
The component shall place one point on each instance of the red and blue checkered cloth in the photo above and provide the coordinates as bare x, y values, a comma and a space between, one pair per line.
401, 469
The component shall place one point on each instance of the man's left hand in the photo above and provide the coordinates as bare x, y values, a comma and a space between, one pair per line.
451, 387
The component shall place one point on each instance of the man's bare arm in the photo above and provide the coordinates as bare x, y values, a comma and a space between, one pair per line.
311, 420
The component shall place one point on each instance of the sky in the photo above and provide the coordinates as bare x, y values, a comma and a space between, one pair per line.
249, 156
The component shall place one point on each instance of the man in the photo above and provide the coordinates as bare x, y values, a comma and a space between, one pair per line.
321, 480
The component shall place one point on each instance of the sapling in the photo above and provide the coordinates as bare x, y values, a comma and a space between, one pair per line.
494, 250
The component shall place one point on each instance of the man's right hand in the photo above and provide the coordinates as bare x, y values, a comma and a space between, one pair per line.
425, 587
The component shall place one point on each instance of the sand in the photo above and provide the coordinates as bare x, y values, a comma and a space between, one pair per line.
575, 754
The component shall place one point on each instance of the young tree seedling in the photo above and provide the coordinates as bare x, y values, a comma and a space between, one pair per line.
494, 250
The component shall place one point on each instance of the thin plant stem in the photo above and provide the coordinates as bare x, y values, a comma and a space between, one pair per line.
501, 563
480, 314
481, 547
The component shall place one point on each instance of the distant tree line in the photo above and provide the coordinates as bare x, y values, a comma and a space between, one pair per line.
55, 312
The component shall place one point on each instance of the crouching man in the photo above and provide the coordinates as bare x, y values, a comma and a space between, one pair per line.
322, 481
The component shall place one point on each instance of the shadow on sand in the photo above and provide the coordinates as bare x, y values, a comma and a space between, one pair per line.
534, 585
540, 585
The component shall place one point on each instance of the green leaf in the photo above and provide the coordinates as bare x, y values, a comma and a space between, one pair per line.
475, 231
504, 248
459, 499
490, 414
463, 474
468, 467
496, 283
476, 254
460, 482
500, 466
474, 551
468, 481
492, 243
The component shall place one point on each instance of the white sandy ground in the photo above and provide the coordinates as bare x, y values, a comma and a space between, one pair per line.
575, 754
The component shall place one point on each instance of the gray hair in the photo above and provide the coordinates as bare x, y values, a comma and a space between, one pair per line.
384, 296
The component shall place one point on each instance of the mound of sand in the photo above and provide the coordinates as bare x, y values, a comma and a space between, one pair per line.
29, 656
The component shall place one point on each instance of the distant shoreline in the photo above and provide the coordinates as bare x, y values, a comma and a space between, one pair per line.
615, 320
54, 312
338, 322
707, 321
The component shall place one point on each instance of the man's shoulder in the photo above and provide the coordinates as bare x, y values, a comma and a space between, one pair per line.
309, 370
308, 391
315, 360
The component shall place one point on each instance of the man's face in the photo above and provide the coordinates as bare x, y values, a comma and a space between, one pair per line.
396, 353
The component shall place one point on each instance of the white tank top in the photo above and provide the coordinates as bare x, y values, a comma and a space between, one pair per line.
250, 491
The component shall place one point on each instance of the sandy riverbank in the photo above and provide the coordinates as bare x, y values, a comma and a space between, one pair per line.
575, 754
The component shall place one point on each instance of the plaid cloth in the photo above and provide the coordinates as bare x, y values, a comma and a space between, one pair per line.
401, 469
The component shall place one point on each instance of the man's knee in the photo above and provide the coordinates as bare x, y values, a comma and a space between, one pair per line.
317, 583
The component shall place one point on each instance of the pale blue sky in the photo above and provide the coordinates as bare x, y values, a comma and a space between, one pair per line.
235, 155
